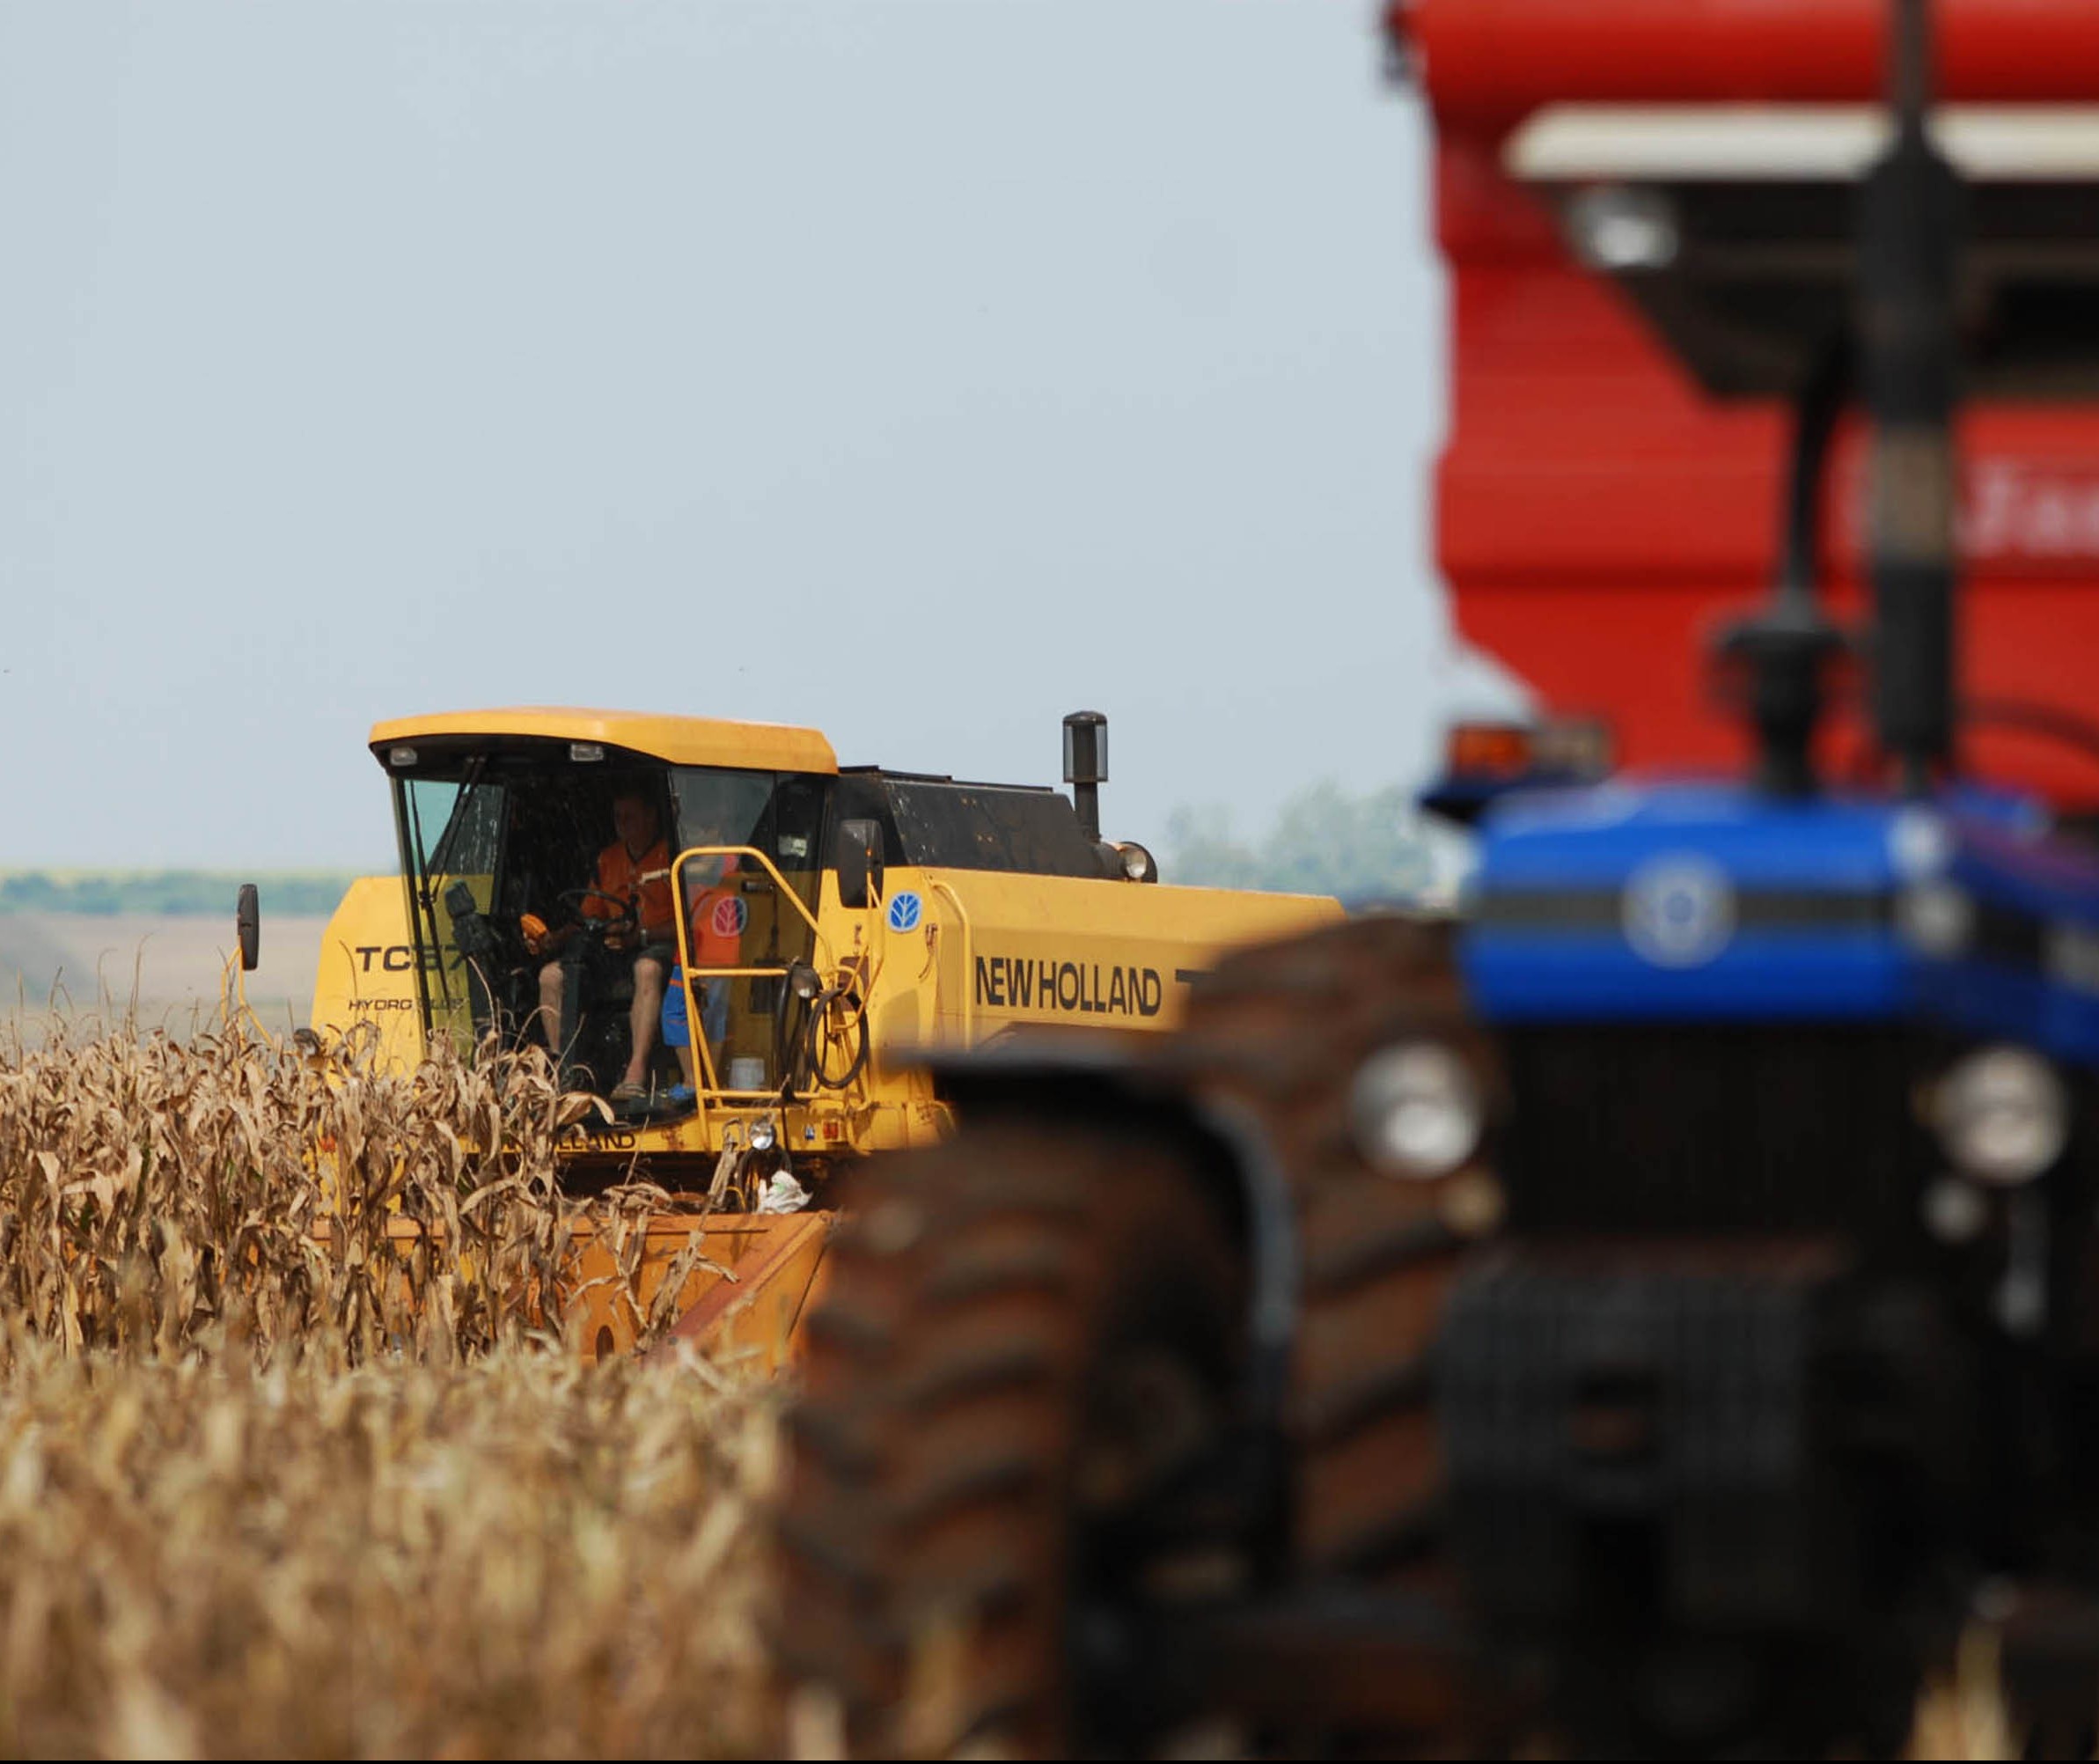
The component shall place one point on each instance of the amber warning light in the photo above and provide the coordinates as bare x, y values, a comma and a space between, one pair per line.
1484, 760
1566, 748
1496, 750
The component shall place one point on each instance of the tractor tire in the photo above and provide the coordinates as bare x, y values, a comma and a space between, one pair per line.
1278, 1033
1026, 1355
1275, 1035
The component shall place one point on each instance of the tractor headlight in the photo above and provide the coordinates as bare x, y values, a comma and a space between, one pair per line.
1936, 916
2001, 1115
1415, 1111
803, 980
762, 1135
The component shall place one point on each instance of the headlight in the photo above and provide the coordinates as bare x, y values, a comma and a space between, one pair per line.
761, 1136
1937, 918
1138, 864
1415, 1111
2001, 1115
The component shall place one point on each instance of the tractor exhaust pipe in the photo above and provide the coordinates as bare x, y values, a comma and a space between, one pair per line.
1086, 765
1785, 647
1910, 218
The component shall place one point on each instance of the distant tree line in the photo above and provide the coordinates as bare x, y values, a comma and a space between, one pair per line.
179, 893
1325, 841
1363, 849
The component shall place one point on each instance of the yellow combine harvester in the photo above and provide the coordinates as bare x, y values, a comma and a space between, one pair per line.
812, 931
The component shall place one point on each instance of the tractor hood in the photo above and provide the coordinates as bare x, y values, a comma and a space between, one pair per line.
1705, 903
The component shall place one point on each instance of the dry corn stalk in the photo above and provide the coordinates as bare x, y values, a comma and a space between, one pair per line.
517, 1556
276, 1480
152, 1187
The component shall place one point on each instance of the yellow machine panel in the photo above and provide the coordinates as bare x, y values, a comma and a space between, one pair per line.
366, 973
680, 740
1000, 954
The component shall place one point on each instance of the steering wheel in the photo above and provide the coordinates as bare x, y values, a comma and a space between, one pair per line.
628, 918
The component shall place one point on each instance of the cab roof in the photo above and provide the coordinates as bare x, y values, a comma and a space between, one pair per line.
676, 740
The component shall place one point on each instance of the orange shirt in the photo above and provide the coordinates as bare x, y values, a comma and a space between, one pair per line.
646, 878
718, 912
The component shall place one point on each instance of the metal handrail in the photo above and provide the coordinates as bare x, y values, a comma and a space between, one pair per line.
703, 1057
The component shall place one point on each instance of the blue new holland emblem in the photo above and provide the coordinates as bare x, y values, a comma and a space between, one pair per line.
1679, 911
904, 912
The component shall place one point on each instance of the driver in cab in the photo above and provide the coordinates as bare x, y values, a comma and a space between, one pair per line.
633, 891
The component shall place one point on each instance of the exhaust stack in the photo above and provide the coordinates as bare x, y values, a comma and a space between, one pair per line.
1909, 221
1086, 765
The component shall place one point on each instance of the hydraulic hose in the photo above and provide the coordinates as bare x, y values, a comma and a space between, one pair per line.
814, 1038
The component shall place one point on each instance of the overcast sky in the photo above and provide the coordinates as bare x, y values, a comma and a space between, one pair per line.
919, 369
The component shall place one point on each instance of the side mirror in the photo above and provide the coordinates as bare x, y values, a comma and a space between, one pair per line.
859, 863
247, 926
470, 929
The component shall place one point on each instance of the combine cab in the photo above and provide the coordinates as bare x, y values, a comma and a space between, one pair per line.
1656, 1314
797, 933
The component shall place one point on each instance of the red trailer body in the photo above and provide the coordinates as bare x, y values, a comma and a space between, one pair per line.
1597, 510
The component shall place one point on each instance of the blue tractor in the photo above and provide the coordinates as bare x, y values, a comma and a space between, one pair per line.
1655, 1312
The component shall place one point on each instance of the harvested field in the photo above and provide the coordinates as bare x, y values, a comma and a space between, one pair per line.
268, 1488
155, 969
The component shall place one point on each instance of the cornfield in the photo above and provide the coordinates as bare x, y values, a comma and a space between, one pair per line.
273, 1483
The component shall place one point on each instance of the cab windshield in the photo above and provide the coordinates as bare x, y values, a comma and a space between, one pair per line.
540, 898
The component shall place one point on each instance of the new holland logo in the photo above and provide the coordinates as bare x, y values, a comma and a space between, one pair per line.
1679, 911
729, 917
904, 912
